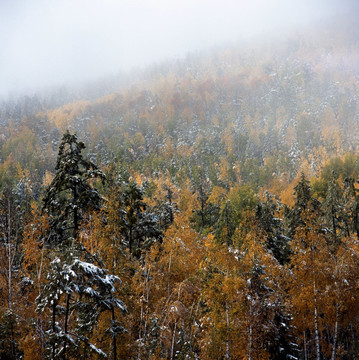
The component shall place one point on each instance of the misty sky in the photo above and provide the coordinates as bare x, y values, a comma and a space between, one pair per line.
56, 42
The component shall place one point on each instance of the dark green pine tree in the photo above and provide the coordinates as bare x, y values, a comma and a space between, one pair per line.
304, 202
58, 286
332, 210
226, 224
165, 210
303, 193
268, 218
350, 211
76, 288
206, 216
85, 291
70, 194
139, 227
274, 332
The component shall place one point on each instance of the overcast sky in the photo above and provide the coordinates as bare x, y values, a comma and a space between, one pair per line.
55, 42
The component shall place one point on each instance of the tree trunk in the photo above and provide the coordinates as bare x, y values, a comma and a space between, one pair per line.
202, 215
40, 268
334, 350
66, 323
334, 227
317, 345
316, 326
76, 215
173, 341
227, 337
130, 240
114, 343
140, 333
147, 290
53, 329
250, 335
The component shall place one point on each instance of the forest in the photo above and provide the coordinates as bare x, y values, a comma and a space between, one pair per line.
204, 208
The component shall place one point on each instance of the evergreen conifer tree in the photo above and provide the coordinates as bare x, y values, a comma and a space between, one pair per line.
332, 210
304, 202
70, 194
350, 211
302, 192
268, 218
77, 290
138, 226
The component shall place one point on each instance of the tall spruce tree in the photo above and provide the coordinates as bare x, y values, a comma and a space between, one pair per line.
70, 194
139, 227
304, 202
332, 210
351, 207
268, 217
77, 290
302, 192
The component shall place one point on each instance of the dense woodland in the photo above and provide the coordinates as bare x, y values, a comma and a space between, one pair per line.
206, 208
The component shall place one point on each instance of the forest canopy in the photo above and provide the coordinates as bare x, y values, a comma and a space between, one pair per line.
207, 210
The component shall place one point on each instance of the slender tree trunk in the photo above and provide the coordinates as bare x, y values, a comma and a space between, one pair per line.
40, 268
334, 350
41, 337
54, 330
130, 240
347, 229
305, 346
13, 352
356, 217
114, 340
227, 337
169, 271
194, 320
66, 323
140, 333
147, 289
317, 345
144, 311
76, 215
115, 246
316, 326
173, 340
171, 211
250, 334
334, 228
202, 215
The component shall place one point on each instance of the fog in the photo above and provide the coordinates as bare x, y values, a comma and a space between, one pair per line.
58, 42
